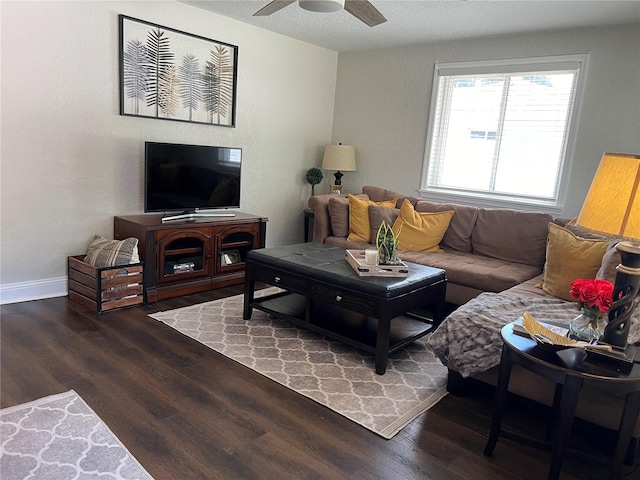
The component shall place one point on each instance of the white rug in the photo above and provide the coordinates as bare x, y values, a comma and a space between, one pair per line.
327, 371
59, 437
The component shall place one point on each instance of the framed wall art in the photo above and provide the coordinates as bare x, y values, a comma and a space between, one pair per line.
172, 75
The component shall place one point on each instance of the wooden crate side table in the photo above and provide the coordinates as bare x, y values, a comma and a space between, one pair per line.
103, 289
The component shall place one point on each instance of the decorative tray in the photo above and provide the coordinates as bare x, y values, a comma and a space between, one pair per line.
355, 258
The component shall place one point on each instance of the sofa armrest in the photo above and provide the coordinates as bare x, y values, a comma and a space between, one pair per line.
319, 204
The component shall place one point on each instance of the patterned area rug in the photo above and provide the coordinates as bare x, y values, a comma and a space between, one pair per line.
60, 437
327, 371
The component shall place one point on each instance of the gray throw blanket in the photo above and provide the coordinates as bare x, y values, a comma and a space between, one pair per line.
469, 338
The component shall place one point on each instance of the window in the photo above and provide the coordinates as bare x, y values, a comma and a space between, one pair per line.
502, 131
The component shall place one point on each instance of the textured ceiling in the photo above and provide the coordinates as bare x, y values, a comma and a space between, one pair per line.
421, 21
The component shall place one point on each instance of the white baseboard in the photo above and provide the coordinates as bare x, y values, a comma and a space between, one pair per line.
35, 290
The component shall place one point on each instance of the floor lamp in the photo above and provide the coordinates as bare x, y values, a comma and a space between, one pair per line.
612, 207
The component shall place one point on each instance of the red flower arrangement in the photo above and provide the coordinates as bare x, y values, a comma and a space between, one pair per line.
593, 295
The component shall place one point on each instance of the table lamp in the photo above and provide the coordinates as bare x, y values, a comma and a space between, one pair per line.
339, 157
612, 207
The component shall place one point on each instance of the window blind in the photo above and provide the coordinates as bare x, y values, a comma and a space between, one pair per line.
502, 128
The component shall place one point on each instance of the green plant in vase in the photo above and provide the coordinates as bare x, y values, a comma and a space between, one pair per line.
387, 245
314, 176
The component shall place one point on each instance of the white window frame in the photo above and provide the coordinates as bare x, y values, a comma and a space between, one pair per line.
497, 200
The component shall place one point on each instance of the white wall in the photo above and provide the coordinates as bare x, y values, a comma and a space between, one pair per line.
70, 162
383, 97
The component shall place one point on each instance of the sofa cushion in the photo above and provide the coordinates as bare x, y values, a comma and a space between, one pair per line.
511, 235
420, 232
344, 243
378, 194
338, 208
359, 228
530, 288
458, 235
377, 215
570, 257
486, 274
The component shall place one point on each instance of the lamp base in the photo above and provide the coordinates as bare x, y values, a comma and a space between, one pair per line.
624, 292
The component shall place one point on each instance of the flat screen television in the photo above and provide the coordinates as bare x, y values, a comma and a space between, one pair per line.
189, 178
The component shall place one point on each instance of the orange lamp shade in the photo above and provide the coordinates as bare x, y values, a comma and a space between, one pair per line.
612, 205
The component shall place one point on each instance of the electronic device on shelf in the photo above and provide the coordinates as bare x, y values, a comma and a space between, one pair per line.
191, 180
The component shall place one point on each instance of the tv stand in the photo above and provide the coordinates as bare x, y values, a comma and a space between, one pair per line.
192, 216
185, 256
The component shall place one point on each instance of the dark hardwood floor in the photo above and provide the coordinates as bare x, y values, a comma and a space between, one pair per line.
187, 412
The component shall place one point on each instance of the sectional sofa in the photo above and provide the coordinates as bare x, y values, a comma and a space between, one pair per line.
499, 263
482, 250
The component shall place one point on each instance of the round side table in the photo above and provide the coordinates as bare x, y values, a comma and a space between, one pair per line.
570, 371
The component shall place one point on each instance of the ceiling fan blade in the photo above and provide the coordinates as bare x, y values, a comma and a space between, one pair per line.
364, 11
272, 7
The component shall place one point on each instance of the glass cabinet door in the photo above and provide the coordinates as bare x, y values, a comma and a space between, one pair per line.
184, 254
233, 244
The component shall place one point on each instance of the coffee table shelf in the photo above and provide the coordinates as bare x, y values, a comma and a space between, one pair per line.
348, 326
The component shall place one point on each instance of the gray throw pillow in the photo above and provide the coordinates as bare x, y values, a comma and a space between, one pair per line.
338, 207
110, 253
379, 214
610, 261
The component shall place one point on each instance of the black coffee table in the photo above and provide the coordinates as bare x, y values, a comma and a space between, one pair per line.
324, 294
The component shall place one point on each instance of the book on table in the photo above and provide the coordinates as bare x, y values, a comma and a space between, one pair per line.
518, 328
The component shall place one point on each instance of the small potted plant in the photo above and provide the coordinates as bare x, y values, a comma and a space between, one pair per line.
387, 245
314, 176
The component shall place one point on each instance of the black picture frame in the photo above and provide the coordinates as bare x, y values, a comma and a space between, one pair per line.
172, 75
230, 257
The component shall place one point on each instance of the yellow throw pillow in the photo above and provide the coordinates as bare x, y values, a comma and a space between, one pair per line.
359, 226
570, 257
420, 232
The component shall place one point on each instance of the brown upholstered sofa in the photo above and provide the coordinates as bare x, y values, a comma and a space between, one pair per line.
483, 250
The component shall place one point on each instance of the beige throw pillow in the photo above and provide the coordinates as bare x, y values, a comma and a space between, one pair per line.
570, 257
110, 253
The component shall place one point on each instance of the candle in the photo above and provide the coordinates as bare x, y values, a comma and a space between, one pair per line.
371, 257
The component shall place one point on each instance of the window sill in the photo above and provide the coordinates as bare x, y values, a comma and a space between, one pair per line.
484, 201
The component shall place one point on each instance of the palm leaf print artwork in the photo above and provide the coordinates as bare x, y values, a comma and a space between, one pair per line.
219, 83
135, 73
191, 83
160, 59
172, 75
168, 95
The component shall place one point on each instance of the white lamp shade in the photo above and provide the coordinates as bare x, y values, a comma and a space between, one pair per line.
612, 205
322, 5
339, 157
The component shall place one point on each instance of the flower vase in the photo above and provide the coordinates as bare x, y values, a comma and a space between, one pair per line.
588, 326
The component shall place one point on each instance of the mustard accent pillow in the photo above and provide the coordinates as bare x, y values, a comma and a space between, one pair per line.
420, 232
570, 257
359, 226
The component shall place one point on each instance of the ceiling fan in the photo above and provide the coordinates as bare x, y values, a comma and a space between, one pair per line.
361, 9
